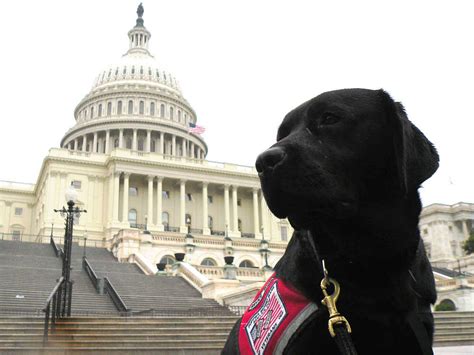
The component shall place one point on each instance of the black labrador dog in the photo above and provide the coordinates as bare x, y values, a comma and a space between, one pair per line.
345, 171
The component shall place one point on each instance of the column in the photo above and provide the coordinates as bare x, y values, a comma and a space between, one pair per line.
183, 147
256, 223
126, 177
148, 141
134, 140
173, 145
84, 143
90, 197
226, 208
162, 143
235, 215
205, 213
94, 143
265, 226
75, 144
110, 199
115, 204
150, 200
182, 207
107, 142
465, 230
159, 204
191, 149
120, 138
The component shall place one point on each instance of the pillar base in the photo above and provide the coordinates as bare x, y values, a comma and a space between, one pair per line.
183, 229
258, 235
234, 234
206, 231
159, 227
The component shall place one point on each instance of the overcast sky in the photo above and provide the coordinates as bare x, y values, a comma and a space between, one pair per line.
243, 65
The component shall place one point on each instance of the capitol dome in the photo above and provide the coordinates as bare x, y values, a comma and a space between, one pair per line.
135, 104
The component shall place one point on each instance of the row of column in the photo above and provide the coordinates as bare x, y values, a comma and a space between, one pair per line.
232, 228
99, 145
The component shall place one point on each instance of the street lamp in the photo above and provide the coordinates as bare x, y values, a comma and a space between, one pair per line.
70, 214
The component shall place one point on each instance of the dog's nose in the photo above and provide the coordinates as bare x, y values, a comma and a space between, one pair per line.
269, 158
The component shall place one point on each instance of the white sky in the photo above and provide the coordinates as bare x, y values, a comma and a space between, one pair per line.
243, 65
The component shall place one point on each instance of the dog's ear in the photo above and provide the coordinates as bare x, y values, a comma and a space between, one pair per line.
415, 156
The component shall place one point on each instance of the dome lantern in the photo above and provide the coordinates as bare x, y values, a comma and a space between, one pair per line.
139, 36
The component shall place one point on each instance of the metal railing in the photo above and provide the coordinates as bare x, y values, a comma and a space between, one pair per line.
171, 229
195, 230
214, 232
56, 306
248, 235
116, 299
97, 282
137, 226
57, 250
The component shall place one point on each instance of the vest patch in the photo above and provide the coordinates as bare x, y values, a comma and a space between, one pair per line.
274, 315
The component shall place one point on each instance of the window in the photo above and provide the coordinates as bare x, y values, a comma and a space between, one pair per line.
162, 110
116, 143
187, 219
133, 191
128, 143
130, 107
16, 234
109, 109
246, 263
76, 184
152, 109
132, 216
171, 113
208, 262
141, 70
18, 211
141, 108
239, 225
92, 112
119, 108
99, 111
210, 199
179, 116
166, 195
124, 70
165, 219
141, 144
133, 70
153, 146
210, 222
284, 233
239, 202
189, 196
168, 260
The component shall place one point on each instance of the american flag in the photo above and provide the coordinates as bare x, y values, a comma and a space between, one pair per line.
194, 128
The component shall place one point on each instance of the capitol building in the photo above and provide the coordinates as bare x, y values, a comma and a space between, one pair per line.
142, 175
139, 168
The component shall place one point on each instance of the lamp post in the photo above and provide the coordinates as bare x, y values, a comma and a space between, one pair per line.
70, 212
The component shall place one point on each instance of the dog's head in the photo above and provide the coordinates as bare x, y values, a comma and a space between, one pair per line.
342, 149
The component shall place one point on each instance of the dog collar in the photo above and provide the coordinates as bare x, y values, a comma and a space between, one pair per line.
274, 315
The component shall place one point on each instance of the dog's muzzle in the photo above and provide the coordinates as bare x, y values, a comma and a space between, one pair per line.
269, 159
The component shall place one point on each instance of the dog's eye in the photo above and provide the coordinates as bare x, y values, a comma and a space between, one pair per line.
329, 119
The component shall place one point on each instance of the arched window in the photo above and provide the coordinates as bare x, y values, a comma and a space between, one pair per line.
109, 109
141, 70
116, 143
130, 107
124, 70
239, 225
141, 144
210, 222
153, 145
133, 70
171, 113
99, 111
152, 109
208, 262
141, 108
168, 260
128, 143
162, 110
132, 216
246, 263
179, 116
188, 219
445, 305
119, 108
92, 112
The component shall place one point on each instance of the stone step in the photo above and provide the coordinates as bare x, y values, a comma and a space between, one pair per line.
118, 330
98, 336
118, 343
136, 350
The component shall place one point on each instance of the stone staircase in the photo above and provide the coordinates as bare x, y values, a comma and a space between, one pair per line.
28, 273
454, 328
120, 335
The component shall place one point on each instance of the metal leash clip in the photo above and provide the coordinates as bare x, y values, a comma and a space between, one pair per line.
330, 302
